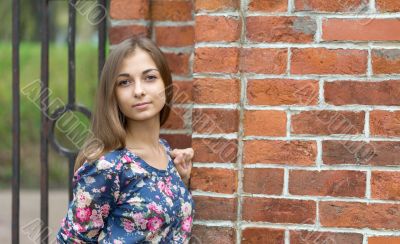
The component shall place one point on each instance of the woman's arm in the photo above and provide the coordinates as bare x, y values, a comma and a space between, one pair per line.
95, 191
187, 182
183, 163
182, 159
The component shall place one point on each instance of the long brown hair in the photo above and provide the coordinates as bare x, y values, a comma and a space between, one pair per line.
107, 122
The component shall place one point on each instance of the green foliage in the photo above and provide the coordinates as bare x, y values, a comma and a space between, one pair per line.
86, 84
30, 18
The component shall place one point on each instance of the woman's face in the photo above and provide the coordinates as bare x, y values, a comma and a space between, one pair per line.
139, 81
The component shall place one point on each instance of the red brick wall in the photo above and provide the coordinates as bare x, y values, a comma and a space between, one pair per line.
296, 114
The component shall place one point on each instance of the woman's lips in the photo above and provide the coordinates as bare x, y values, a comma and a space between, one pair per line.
141, 106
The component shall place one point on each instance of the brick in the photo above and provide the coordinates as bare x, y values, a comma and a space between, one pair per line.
387, 5
268, 6
263, 60
324, 122
308, 237
359, 215
166, 36
208, 59
178, 62
264, 123
217, 28
385, 185
263, 235
384, 123
119, 33
129, 9
215, 208
216, 5
328, 61
331, 6
208, 90
300, 153
336, 183
214, 150
385, 61
178, 140
280, 29
182, 91
208, 234
172, 10
176, 119
212, 120
278, 210
377, 153
282, 92
263, 181
360, 29
365, 93
214, 180
383, 239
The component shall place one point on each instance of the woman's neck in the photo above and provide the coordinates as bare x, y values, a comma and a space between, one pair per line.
143, 134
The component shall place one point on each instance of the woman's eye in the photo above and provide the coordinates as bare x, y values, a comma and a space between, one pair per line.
151, 77
123, 82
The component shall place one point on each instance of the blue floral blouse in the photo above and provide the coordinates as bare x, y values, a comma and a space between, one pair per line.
120, 198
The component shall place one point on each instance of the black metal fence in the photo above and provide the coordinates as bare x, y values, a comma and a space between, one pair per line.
99, 17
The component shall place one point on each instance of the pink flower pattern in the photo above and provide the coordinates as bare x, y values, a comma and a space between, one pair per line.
120, 198
83, 214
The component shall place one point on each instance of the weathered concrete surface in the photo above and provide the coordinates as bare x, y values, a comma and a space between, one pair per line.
30, 213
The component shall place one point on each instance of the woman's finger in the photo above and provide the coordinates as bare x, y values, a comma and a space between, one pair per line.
177, 160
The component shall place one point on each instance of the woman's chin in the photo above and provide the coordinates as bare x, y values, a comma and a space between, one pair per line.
142, 117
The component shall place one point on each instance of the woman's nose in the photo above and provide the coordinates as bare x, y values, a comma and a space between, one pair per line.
138, 89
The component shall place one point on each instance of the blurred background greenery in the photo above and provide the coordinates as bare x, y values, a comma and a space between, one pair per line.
86, 84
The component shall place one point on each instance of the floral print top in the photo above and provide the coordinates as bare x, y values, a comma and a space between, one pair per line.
120, 198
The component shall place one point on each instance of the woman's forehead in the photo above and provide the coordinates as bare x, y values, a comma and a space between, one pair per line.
137, 62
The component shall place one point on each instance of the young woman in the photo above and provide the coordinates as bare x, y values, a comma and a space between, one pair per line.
126, 188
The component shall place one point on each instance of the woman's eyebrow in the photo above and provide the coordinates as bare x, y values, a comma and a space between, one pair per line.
148, 70
124, 74
144, 72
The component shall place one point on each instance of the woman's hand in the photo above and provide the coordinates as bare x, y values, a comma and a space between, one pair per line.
183, 162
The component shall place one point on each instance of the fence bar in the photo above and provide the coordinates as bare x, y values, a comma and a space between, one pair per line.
15, 123
71, 79
71, 51
44, 101
102, 36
